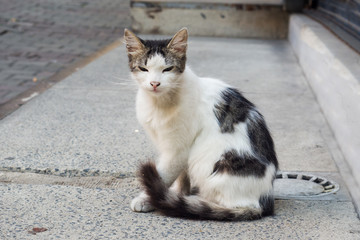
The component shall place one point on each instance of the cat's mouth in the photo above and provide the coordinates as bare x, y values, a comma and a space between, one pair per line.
154, 90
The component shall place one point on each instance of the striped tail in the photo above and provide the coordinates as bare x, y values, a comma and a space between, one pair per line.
172, 204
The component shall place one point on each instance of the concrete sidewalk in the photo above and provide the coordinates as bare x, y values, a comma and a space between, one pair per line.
85, 128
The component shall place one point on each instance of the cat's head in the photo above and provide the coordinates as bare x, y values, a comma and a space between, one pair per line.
157, 64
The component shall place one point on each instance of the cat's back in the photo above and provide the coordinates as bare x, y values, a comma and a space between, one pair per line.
211, 89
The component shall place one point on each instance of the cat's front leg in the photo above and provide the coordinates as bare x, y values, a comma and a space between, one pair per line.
141, 203
169, 168
171, 165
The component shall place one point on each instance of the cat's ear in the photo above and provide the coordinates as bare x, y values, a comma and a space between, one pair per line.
134, 45
178, 44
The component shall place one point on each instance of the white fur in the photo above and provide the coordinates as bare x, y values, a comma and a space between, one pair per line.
186, 133
237, 191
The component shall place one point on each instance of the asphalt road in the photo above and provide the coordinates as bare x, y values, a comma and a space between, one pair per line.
39, 38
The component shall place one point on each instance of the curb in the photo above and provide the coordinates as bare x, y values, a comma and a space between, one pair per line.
331, 68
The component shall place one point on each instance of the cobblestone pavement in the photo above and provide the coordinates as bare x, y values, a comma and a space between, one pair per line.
38, 38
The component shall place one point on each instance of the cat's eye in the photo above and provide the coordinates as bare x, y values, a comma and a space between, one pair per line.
143, 69
168, 69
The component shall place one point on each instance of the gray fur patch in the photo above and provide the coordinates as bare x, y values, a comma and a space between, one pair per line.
233, 108
267, 205
231, 162
261, 140
153, 47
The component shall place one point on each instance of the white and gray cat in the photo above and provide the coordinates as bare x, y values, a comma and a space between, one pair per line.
217, 158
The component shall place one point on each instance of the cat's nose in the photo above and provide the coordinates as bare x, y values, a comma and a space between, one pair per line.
154, 83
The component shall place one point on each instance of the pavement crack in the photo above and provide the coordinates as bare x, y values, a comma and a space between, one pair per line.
8, 177
68, 172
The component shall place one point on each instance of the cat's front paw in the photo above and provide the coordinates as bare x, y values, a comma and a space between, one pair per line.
141, 204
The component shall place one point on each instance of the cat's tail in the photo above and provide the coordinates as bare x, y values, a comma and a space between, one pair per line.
172, 204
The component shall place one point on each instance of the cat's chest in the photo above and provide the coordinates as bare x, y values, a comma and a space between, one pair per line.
176, 126
157, 119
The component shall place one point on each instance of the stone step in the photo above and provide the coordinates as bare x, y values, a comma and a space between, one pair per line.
265, 2
231, 18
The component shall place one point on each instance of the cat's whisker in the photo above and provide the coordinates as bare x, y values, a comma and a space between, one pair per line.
105, 76
123, 81
117, 83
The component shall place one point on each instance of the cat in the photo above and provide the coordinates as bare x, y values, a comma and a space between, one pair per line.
217, 159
